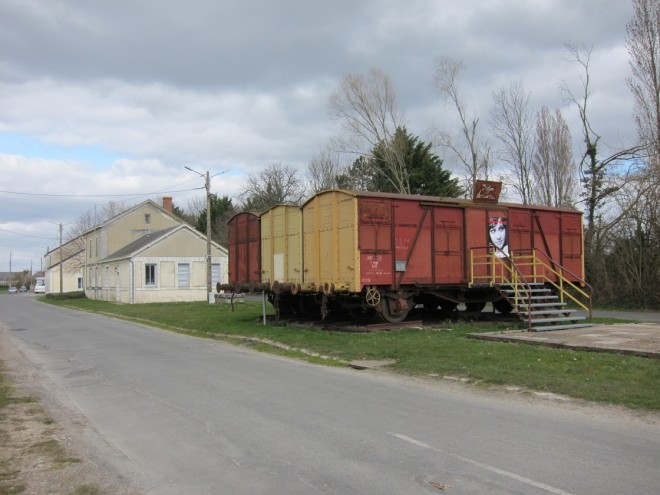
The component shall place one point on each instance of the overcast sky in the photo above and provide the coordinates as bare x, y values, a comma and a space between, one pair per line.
108, 100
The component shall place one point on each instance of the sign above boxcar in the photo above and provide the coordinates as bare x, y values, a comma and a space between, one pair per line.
486, 191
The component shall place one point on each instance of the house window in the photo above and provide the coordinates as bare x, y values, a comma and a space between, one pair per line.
80, 283
150, 275
106, 277
147, 218
183, 279
215, 274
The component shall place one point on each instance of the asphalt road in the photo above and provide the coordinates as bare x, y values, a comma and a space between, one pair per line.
647, 316
184, 415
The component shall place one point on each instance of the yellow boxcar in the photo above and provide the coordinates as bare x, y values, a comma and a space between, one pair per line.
330, 240
281, 248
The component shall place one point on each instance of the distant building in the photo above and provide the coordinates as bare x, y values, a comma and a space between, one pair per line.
7, 279
72, 257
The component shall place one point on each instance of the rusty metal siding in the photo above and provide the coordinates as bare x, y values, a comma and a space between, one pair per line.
520, 229
375, 241
244, 249
555, 232
572, 249
407, 241
476, 238
413, 226
448, 254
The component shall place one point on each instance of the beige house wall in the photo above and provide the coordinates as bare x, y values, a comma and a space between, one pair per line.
69, 279
123, 280
118, 286
120, 232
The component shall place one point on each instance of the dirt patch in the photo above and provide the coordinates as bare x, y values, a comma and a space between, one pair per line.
41, 446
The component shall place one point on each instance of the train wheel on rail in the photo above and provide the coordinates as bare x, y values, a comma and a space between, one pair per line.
503, 306
393, 310
448, 306
475, 307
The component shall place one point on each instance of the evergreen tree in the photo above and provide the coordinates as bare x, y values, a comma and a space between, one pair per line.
222, 209
424, 172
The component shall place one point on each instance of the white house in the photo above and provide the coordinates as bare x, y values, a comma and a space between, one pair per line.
164, 266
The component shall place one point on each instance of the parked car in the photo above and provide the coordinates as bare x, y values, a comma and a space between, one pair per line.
12, 290
22, 289
40, 289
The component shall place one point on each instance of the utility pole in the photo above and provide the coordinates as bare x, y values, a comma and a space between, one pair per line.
209, 289
207, 178
61, 262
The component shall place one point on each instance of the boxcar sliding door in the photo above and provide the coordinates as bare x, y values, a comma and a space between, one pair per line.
448, 258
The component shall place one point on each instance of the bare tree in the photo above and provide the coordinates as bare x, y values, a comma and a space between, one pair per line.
554, 172
73, 250
324, 170
196, 206
512, 124
603, 180
633, 248
472, 152
367, 108
276, 184
643, 43
598, 180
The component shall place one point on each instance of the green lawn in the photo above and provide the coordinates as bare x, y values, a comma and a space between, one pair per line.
439, 352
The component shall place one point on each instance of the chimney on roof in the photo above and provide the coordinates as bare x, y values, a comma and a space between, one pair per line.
167, 203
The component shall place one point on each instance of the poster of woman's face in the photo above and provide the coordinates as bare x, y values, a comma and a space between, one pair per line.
498, 235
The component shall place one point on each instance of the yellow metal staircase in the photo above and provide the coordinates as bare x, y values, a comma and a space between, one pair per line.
537, 287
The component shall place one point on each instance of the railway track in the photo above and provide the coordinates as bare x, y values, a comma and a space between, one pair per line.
418, 320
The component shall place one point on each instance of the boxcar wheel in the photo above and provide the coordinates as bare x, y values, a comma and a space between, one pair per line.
448, 306
475, 306
503, 306
387, 314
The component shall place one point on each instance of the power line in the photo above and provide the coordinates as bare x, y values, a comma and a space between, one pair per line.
97, 195
27, 235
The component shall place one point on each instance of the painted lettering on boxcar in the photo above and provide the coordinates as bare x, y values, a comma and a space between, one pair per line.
374, 211
375, 268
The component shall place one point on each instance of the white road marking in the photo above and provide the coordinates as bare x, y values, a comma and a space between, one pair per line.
481, 465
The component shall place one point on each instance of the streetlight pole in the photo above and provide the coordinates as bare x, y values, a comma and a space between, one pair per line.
61, 256
207, 178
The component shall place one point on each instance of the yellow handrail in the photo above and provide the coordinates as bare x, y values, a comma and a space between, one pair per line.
509, 270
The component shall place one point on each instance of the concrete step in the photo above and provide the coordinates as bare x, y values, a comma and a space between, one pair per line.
572, 319
561, 327
549, 312
548, 305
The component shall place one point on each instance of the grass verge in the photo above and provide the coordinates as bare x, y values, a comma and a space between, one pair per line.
440, 352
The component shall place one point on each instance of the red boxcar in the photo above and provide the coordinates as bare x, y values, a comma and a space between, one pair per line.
397, 251
387, 253
244, 252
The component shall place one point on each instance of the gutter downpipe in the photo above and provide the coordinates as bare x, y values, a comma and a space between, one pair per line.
132, 281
